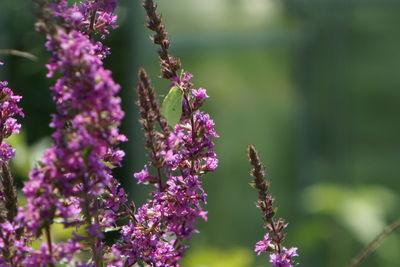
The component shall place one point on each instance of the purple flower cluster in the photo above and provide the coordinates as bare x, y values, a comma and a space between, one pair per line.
8, 124
74, 177
178, 159
263, 245
12, 247
88, 17
278, 259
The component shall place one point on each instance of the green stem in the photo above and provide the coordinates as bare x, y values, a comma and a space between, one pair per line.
49, 243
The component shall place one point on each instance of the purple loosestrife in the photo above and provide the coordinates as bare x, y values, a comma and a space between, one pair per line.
179, 157
272, 241
12, 246
8, 125
73, 183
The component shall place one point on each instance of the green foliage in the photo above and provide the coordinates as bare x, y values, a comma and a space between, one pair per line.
362, 210
26, 155
216, 257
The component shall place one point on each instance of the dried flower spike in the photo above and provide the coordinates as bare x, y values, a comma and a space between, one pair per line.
169, 64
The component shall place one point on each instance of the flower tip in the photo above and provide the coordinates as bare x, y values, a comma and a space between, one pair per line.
251, 148
142, 73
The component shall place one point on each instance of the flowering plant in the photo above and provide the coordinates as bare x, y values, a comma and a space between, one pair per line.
73, 184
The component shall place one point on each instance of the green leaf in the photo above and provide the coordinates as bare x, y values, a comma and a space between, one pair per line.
171, 107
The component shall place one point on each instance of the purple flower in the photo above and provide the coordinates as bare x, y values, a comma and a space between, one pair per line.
200, 93
118, 196
143, 175
6, 152
283, 259
263, 245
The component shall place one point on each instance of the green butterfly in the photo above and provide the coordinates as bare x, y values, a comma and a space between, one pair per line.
171, 107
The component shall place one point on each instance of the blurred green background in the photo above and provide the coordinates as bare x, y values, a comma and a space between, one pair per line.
313, 84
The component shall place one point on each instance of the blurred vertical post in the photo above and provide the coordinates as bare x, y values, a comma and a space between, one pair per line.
323, 74
133, 57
